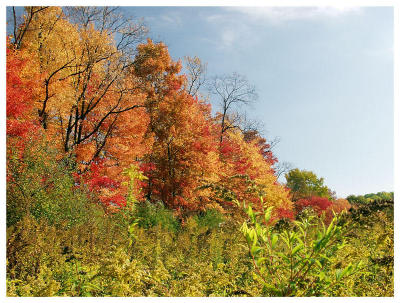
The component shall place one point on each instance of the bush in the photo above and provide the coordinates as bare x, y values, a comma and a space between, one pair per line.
150, 215
296, 262
41, 184
318, 204
210, 218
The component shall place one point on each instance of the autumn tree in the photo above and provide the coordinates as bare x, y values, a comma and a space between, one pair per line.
246, 174
252, 130
87, 90
109, 106
20, 94
38, 176
84, 89
264, 146
318, 204
183, 153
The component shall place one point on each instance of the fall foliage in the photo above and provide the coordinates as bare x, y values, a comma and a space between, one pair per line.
110, 111
122, 180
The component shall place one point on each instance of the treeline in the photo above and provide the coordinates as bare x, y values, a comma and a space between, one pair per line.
368, 198
85, 80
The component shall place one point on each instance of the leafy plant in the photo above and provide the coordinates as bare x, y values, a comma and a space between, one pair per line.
295, 262
150, 215
211, 218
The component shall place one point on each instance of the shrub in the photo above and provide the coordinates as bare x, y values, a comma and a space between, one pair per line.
41, 183
150, 215
210, 218
296, 262
318, 204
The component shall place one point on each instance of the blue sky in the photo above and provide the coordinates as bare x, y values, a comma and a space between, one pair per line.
324, 77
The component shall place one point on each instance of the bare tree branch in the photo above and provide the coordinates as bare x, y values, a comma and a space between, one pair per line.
282, 168
232, 91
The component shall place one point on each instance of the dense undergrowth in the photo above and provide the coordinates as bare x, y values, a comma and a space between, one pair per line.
70, 247
203, 258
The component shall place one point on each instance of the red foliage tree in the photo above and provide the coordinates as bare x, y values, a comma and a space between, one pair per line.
338, 206
19, 95
318, 204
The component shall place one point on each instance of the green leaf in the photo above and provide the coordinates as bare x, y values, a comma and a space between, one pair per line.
283, 256
247, 234
301, 229
255, 238
326, 258
274, 240
132, 227
255, 250
322, 275
271, 287
297, 248
268, 213
285, 238
331, 228
259, 261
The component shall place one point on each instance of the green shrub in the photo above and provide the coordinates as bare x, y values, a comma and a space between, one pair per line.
296, 262
210, 218
150, 215
42, 185
94, 259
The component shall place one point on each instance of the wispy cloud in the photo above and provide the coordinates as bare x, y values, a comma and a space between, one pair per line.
228, 36
277, 15
166, 19
233, 23
231, 38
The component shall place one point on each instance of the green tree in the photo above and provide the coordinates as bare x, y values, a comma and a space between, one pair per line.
368, 198
304, 184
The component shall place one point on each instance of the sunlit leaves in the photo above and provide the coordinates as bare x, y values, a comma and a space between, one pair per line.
110, 111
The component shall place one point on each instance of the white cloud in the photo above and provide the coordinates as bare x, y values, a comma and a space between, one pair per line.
278, 15
228, 36
226, 39
233, 25
168, 19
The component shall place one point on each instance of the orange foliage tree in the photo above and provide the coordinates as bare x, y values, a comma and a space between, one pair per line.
85, 97
247, 174
183, 154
